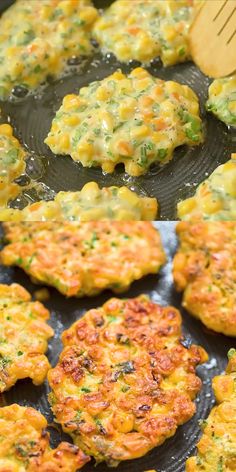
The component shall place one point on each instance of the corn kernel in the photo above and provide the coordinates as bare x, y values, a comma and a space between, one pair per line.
123, 50
127, 108
6, 130
232, 106
93, 214
124, 423
108, 167
117, 76
139, 132
90, 191
85, 149
126, 86
132, 168
67, 7
216, 88
102, 93
173, 87
103, 25
223, 387
139, 72
124, 215
64, 142
142, 84
209, 205
89, 15
169, 33
71, 101
127, 195
186, 206
107, 121
71, 120
149, 208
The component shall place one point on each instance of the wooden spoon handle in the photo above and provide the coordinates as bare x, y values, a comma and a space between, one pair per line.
213, 38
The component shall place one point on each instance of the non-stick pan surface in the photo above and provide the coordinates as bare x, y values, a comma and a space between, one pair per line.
32, 117
172, 455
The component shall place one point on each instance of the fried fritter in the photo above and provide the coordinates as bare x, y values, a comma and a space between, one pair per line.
135, 119
24, 444
124, 381
23, 337
204, 268
38, 37
84, 258
215, 197
90, 204
222, 99
217, 446
143, 30
12, 164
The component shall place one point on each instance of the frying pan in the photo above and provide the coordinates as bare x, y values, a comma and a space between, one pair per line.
31, 118
171, 456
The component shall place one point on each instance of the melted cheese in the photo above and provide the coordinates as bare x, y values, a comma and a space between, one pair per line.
136, 120
37, 37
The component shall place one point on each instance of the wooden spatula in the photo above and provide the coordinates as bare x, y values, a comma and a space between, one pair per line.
213, 38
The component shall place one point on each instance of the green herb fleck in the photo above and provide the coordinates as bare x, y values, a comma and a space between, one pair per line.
28, 37
19, 260
58, 12
97, 131
85, 390
143, 151
20, 450
32, 443
91, 244
162, 153
182, 51
11, 156
4, 362
111, 318
203, 424
220, 465
79, 22
37, 69
231, 353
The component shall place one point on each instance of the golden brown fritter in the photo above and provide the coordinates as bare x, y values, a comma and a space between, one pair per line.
217, 446
124, 381
23, 337
205, 269
24, 444
84, 258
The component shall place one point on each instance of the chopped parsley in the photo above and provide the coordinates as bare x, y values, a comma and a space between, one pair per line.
85, 390
231, 353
